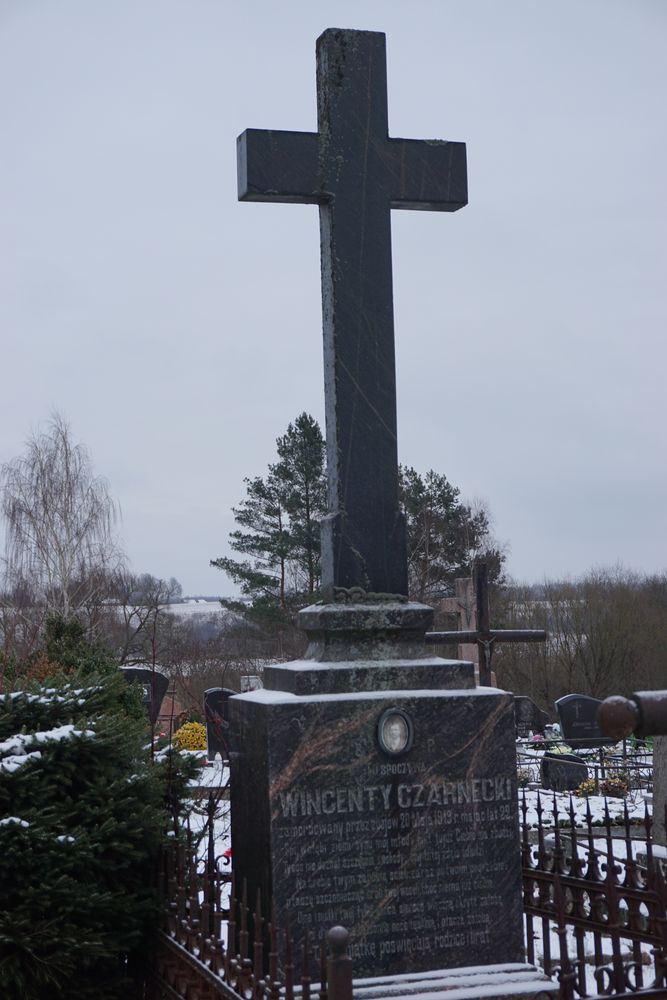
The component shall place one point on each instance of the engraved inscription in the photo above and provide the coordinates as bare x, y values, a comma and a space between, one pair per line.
414, 865
342, 799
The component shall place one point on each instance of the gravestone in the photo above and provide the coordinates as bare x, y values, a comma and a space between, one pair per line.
529, 718
372, 784
562, 772
579, 723
464, 607
376, 814
154, 686
250, 682
217, 724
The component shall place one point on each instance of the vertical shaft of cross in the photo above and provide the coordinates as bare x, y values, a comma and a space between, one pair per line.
364, 533
481, 575
356, 173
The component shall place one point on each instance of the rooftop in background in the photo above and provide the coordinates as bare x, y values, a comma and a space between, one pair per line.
189, 606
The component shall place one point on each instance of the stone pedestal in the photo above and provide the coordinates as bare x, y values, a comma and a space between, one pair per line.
414, 850
493, 982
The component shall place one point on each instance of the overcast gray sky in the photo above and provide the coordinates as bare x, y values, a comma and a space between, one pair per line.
179, 330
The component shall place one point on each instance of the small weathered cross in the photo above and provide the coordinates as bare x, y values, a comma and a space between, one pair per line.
483, 635
356, 174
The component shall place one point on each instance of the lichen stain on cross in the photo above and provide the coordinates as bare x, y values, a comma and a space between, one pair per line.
356, 174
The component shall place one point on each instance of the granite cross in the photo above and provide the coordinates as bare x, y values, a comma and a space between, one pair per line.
483, 635
356, 174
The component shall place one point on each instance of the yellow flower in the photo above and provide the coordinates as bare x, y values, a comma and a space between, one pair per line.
191, 736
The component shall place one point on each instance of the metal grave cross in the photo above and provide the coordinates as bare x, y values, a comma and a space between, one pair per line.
483, 635
356, 174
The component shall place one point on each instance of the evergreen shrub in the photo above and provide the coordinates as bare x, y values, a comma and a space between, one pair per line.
81, 823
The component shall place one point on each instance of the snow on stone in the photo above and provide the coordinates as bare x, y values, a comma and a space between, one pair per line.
265, 696
15, 820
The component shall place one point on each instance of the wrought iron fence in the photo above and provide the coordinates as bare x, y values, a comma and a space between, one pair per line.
209, 947
634, 766
595, 905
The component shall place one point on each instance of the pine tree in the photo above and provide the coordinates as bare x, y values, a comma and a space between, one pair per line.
301, 470
279, 528
263, 512
444, 535
83, 822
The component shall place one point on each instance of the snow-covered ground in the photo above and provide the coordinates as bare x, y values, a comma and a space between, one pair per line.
637, 804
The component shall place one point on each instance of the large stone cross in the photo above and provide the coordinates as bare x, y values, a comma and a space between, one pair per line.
356, 174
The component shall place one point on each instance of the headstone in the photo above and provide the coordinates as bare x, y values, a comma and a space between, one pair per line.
372, 784
529, 718
579, 724
250, 682
562, 772
413, 849
464, 607
217, 722
659, 789
154, 685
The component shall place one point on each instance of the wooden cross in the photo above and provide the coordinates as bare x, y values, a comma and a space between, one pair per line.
356, 174
483, 635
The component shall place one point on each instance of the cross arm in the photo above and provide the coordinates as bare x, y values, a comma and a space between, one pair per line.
278, 166
427, 174
496, 635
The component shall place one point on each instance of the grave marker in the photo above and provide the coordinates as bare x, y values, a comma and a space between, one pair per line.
372, 784
529, 718
562, 772
154, 685
579, 722
485, 636
217, 725
463, 605
356, 173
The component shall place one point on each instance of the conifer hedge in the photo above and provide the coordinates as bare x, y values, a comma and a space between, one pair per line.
81, 823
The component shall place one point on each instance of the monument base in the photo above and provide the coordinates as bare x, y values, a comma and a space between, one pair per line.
392, 810
515, 981
415, 852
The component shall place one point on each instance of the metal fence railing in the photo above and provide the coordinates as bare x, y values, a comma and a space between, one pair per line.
210, 946
595, 905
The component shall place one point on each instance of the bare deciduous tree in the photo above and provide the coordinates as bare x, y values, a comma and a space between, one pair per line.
607, 635
60, 521
140, 632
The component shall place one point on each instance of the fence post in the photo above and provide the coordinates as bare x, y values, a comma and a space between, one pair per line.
339, 965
